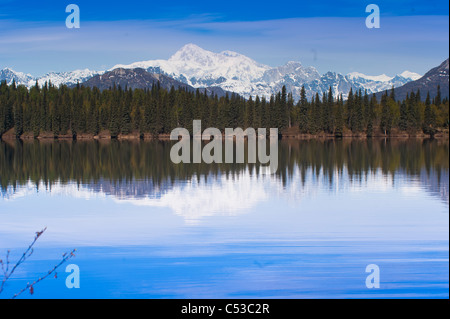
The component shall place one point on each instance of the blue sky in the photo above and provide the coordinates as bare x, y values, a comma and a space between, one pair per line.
330, 35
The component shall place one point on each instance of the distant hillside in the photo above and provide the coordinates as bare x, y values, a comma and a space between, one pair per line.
141, 79
428, 83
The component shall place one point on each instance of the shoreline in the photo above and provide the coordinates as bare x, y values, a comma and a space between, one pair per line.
444, 136
286, 134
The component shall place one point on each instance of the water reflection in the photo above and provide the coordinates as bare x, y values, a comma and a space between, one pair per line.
138, 170
223, 230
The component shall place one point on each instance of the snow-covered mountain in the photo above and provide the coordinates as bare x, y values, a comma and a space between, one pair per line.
10, 75
438, 76
201, 68
68, 78
234, 72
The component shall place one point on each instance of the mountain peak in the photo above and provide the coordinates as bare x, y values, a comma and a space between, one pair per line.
293, 63
379, 78
190, 47
410, 75
437, 76
8, 69
191, 52
9, 75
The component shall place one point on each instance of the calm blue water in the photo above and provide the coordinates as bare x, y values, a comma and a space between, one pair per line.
309, 234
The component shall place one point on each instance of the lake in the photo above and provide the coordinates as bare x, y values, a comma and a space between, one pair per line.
144, 227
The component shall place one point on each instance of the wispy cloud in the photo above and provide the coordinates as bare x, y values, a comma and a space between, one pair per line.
416, 43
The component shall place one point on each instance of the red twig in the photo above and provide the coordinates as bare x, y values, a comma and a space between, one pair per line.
31, 286
28, 252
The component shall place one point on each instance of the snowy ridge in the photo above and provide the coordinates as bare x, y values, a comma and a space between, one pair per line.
233, 72
68, 78
199, 68
9, 75
410, 75
237, 73
378, 78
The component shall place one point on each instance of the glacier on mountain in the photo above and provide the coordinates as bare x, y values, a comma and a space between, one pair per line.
233, 72
238, 73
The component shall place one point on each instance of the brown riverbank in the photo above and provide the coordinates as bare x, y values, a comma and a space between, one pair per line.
294, 133
291, 134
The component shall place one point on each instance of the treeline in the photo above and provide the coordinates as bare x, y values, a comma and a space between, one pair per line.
82, 110
125, 162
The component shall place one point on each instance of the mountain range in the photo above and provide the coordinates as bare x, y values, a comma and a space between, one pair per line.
226, 71
140, 79
428, 83
237, 73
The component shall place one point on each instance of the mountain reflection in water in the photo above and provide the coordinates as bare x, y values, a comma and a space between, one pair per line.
147, 228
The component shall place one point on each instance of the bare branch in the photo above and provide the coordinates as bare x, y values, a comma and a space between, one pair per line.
5, 265
24, 257
30, 287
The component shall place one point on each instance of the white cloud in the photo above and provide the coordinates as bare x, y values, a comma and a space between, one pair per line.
336, 44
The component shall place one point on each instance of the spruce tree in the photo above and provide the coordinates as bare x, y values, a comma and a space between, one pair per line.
385, 114
429, 117
438, 99
303, 118
339, 117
